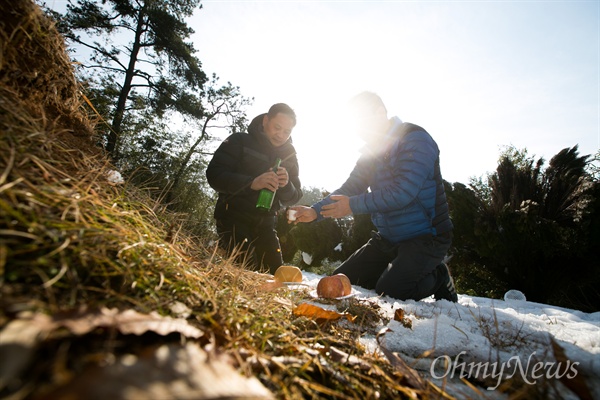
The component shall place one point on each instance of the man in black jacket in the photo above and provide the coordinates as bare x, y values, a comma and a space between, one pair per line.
240, 168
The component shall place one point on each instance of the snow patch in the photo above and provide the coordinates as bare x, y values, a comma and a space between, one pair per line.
485, 331
114, 177
307, 258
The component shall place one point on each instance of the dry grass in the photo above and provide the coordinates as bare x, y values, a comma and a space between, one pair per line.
71, 240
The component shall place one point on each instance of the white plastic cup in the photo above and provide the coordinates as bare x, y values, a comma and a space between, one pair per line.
291, 215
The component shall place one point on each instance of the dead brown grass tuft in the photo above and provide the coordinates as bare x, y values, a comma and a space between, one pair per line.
35, 69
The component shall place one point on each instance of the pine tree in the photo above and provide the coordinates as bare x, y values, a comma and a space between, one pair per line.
534, 229
139, 63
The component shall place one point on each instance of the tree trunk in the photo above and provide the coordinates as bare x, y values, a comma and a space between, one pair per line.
188, 156
115, 131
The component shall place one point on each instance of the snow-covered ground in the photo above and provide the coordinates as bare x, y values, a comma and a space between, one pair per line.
489, 341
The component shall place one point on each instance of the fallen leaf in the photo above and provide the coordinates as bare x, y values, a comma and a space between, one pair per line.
320, 315
128, 322
18, 341
401, 317
167, 372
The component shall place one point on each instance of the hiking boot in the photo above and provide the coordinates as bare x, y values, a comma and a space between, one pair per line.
446, 290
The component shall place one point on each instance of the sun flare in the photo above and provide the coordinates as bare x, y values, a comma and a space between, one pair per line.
327, 148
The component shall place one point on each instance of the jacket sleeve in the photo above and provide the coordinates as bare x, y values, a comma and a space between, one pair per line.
356, 184
222, 174
412, 164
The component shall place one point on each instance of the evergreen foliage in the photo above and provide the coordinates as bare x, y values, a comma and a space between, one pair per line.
172, 166
330, 239
319, 239
140, 62
159, 109
357, 233
531, 229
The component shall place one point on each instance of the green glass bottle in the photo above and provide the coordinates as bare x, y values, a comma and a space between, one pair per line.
265, 197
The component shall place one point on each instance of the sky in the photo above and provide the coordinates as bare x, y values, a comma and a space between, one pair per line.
514, 333
477, 75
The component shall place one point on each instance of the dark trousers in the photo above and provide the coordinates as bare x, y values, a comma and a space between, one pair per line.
402, 271
253, 243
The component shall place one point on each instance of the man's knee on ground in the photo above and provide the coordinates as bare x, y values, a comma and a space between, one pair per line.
393, 289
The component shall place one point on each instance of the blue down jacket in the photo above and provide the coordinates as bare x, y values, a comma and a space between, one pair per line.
400, 185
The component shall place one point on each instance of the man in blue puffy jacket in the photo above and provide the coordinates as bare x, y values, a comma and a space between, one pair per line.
397, 180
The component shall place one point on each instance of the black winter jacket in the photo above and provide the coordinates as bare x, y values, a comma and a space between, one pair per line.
241, 158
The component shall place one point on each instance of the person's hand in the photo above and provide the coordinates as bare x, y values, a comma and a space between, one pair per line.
268, 180
303, 214
282, 176
338, 209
